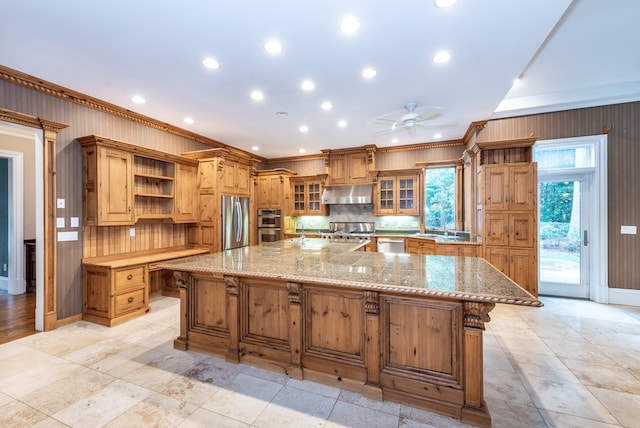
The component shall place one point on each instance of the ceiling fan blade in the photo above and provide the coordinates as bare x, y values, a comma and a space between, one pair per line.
385, 121
383, 132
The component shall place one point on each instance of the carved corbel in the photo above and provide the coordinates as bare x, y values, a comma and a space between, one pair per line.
371, 303
181, 278
294, 292
476, 314
233, 285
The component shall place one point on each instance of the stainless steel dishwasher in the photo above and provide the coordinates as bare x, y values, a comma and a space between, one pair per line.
391, 245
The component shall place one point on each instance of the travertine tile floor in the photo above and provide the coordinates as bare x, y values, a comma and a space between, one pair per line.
570, 364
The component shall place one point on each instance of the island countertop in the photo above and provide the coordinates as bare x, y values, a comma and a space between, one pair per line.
315, 260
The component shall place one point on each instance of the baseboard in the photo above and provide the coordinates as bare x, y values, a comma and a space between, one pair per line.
623, 296
69, 320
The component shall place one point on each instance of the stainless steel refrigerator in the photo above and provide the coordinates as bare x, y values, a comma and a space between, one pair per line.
235, 222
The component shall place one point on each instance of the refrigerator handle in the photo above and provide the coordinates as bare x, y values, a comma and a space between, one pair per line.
237, 217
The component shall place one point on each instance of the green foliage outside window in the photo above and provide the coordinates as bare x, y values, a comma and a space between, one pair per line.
440, 198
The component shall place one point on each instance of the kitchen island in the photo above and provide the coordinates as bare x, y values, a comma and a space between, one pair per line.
394, 327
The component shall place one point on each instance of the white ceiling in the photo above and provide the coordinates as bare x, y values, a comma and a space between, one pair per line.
570, 54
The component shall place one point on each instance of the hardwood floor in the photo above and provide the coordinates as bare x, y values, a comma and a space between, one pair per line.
17, 316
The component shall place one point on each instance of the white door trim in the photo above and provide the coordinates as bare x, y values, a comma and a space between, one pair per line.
598, 267
15, 279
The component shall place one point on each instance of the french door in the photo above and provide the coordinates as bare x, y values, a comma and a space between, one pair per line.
563, 229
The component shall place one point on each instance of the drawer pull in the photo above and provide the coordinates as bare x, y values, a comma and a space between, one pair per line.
129, 277
130, 299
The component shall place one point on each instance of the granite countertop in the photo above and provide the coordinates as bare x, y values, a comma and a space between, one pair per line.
320, 261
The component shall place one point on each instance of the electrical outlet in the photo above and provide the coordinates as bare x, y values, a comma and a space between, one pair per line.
4, 267
132, 231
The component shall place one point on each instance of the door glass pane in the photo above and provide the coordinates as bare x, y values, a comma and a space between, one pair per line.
560, 232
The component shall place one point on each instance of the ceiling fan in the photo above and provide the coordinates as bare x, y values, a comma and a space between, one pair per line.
411, 121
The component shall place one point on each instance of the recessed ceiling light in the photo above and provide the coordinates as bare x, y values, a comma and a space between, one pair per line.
273, 47
304, 129
138, 99
257, 96
368, 73
395, 141
437, 136
342, 123
282, 113
255, 148
441, 57
302, 151
210, 63
349, 25
188, 120
444, 3
326, 105
308, 85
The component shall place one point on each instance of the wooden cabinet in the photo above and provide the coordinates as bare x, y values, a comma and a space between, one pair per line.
458, 249
114, 295
273, 188
116, 288
186, 205
107, 181
306, 195
350, 166
509, 213
420, 246
123, 183
236, 178
509, 187
397, 193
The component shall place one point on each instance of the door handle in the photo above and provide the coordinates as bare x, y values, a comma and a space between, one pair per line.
585, 238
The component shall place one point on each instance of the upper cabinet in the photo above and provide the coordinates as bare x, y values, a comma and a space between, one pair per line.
273, 188
307, 195
236, 177
396, 193
350, 166
511, 187
124, 183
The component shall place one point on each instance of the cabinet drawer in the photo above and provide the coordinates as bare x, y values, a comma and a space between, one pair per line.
128, 278
130, 301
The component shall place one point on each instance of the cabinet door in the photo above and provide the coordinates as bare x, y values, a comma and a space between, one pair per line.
314, 198
521, 230
263, 192
523, 182
358, 169
208, 182
523, 269
229, 177
498, 257
386, 196
299, 198
467, 250
114, 187
407, 195
497, 228
447, 249
338, 169
243, 179
186, 204
496, 187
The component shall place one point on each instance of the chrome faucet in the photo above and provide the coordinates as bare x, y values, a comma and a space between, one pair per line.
446, 232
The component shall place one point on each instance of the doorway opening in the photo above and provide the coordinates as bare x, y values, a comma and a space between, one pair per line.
572, 217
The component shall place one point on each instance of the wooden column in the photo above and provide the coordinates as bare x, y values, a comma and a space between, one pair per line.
475, 410
182, 279
295, 330
233, 312
372, 388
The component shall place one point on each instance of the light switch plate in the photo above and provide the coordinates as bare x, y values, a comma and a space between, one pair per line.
60, 203
132, 231
628, 230
75, 222
60, 222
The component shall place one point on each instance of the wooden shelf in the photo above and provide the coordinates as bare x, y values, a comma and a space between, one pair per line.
153, 176
151, 195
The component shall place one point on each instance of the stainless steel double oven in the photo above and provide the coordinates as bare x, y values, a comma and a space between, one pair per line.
269, 225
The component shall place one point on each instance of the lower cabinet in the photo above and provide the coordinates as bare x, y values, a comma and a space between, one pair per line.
518, 264
461, 250
419, 246
112, 296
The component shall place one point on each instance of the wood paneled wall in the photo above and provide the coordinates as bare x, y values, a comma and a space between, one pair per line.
623, 172
106, 241
85, 121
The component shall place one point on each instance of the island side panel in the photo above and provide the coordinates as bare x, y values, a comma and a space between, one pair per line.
421, 351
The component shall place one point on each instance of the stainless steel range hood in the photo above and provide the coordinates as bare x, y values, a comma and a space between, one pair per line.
350, 194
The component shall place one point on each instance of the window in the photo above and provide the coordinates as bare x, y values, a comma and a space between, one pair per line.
440, 198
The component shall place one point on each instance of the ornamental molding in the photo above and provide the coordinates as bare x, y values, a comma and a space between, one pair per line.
476, 314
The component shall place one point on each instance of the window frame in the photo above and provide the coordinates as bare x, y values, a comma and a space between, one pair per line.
458, 208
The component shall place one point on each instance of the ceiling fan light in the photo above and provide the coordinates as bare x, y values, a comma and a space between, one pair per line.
444, 3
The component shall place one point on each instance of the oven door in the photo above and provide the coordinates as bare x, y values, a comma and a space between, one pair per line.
269, 220
269, 234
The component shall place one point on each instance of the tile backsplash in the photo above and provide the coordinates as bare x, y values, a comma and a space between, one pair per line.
357, 212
